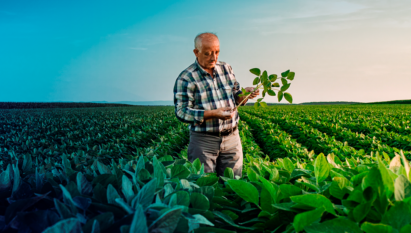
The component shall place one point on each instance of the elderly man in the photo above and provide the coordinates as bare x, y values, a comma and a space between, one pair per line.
205, 94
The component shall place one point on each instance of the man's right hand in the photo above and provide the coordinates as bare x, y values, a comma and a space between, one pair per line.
225, 113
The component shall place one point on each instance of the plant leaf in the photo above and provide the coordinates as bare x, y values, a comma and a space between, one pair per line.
272, 77
256, 81
255, 71
271, 92
245, 190
139, 223
290, 76
288, 97
285, 73
305, 219
263, 104
280, 96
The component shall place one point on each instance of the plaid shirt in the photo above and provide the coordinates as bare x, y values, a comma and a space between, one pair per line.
196, 91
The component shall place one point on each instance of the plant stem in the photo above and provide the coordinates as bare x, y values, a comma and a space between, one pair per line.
248, 96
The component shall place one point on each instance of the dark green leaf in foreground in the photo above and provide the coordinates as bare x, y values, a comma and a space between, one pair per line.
376, 228
166, 222
245, 190
229, 173
264, 77
207, 181
337, 225
321, 168
314, 200
256, 81
70, 225
83, 186
228, 220
146, 195
305, 219
398, 215
139, 223
180, 171
285, 73
199, 201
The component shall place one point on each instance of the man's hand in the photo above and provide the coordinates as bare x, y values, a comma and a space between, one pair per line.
225, 113
253, 94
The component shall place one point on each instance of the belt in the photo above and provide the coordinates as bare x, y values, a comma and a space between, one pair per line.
222, 133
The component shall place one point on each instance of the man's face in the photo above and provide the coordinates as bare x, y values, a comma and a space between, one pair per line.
208, 53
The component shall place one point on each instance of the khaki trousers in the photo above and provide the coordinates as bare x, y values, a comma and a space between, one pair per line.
217, 153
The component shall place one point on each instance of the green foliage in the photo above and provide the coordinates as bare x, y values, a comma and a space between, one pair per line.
268, 82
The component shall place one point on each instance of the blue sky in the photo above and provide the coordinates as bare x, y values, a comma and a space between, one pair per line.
134, 50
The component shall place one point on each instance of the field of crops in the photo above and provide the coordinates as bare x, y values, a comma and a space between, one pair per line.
124, 169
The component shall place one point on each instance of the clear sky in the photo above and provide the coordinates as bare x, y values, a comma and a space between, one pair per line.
134, 50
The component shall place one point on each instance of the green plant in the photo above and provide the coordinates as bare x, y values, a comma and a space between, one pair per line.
270, 86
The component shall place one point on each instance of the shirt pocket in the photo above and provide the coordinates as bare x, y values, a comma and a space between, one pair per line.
228, 95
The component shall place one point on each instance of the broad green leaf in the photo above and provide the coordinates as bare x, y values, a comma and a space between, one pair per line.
272, 77
229, 173
376, 228
280, 96
314, 200
197, 164
336, 225
398, 215
83, 186
230, 213
207, 181
112, 194
166, 222
65, 226
402, 188
266, 201
291, 75
255, 71
103, 169
245, 190
288, 97
264, 77
127, 189
386, 178
180, 171
199, 201
263, 104
256, 104
270, 188
285, 87
146, 195
284, 81
252, 175
228, 220
288, 165
405, 229
288, 190
256, 81
68, 200
181, 198
361, 211
271, 92
285, 73
305, 219
321, 168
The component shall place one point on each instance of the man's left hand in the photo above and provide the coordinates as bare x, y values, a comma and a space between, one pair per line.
253, 94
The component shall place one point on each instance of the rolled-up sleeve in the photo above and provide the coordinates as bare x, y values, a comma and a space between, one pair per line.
184, 102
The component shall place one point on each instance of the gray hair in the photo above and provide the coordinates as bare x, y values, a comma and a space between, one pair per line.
199, 37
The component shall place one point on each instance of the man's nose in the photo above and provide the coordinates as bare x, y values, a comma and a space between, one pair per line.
214, 57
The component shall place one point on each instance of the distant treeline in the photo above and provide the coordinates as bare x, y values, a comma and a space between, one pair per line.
392, 102
29, 105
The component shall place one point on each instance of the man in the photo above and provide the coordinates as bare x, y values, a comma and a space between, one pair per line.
204, 95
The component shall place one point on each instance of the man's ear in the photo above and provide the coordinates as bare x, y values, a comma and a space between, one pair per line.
196, 52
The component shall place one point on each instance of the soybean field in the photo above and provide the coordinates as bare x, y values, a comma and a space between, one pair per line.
332, 168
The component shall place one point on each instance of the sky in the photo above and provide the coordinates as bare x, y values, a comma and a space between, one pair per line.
340, 50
